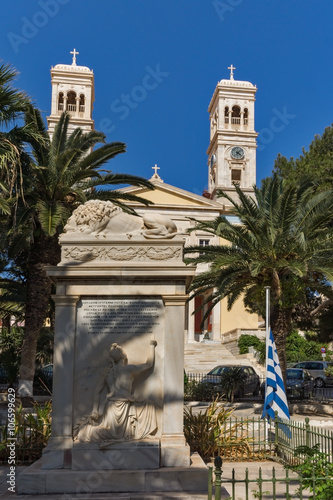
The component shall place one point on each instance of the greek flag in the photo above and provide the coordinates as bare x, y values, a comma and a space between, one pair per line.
275, 394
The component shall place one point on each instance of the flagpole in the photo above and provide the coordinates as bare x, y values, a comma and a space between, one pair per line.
268, 317
268, 325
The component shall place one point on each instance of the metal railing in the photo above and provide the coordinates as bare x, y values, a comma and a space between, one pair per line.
26, 439
254, 439
280, 442
273, 484
204, 384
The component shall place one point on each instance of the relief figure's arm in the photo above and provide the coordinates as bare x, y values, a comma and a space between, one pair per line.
150, 359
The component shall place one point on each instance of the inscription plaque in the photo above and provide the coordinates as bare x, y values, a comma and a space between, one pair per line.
119, 316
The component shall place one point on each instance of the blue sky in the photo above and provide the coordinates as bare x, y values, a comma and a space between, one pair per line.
285, 47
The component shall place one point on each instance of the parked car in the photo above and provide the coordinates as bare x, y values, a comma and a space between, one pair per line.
251, 383
43, 379
317, 370
300, 383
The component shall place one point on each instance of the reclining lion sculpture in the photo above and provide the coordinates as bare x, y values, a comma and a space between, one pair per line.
102, 218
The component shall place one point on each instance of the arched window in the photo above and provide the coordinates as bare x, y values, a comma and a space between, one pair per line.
236, 115
82, 102
246, 116
71, 101
226, 114
61, 101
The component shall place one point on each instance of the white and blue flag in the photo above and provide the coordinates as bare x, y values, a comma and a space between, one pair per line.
275, 394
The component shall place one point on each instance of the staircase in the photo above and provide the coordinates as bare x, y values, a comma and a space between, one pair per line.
201, 357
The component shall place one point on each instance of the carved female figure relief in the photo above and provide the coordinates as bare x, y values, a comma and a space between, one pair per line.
123, 417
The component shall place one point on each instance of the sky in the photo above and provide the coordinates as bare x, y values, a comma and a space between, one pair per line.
284, 47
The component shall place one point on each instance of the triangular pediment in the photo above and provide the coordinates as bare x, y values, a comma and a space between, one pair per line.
172, 196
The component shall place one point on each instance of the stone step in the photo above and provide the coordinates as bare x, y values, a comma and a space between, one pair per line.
203, 357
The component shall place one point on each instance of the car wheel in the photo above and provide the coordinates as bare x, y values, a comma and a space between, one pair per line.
319, 382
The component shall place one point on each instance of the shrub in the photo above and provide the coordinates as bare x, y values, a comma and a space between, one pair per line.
198, 391
32, 431
314, 464
299, 348
246, 341
210, 433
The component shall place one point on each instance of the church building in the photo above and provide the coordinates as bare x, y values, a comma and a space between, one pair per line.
231, 159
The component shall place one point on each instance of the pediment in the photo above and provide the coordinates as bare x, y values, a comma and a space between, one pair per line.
168, 195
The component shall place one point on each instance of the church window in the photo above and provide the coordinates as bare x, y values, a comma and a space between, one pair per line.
236, 115
226, 114
61, 101
204, 243
71, 101
236, 175
246, 116
82, 102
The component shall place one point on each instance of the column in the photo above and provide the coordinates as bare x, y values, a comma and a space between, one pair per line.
230, 119
216, 323
174, 451
242, 120
60, 444
77, 106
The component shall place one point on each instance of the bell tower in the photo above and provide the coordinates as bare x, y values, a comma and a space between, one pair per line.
232, 148
72, 90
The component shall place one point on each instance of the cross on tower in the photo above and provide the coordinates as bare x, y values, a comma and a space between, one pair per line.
231, 72
74, 56
156, 168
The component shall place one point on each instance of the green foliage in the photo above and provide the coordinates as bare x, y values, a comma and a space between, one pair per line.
299, 348
198, 391
209, 432
10, 351
317, 162
232, 381
316, 471
329, 371
246, 341
32, 431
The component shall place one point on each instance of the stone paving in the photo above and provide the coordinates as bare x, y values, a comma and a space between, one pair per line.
253, 468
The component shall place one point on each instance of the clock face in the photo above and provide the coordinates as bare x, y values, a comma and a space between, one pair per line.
212, 161
237, 153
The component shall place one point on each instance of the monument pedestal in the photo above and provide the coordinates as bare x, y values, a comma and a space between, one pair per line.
118, 455
117, 412
36, 481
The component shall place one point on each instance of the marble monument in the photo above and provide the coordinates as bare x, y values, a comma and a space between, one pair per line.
121, 288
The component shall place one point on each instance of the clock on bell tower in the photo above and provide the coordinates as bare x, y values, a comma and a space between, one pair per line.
232, 148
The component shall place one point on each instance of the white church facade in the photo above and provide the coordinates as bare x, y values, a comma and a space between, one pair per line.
231, 159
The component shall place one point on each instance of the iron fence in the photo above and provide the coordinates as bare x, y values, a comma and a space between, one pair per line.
24, 442
278, 442
206, 386
270, 484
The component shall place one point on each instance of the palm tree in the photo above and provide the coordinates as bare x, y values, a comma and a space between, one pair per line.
13, 103
62, 174
284, 239
232, 380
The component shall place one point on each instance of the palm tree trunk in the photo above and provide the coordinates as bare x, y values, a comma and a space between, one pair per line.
43, 251
281, 325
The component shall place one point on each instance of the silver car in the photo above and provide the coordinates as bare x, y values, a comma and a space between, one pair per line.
317, 370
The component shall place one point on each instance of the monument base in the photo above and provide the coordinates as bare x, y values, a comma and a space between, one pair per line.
37, 481
116, 455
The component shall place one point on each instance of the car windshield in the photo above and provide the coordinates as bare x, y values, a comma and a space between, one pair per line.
218, 370
294, 374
